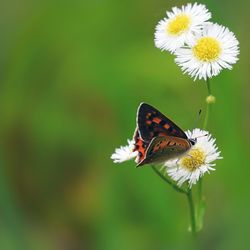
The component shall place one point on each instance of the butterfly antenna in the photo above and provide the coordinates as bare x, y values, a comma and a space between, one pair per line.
201, 136
198, 118
193, 140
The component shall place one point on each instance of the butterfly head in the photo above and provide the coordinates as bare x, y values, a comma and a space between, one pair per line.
193, 141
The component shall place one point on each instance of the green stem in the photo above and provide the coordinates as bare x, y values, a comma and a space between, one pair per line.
200, 206
172, 184
208, 105
206, 116
200, 201
192, 211
208, 87
200, 190
188, 192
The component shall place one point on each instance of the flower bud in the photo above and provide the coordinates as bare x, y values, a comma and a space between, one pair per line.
210, 99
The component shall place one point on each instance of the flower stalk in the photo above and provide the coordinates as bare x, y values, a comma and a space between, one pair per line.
201, 199
187, 192
208, 104
192, 212
168, 181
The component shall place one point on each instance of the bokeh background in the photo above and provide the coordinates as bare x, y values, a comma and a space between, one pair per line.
72, 76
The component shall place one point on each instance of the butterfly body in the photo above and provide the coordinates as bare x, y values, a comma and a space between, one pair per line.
157, 138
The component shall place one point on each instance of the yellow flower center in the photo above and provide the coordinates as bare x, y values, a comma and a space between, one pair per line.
179, 24
207, 49
194, 159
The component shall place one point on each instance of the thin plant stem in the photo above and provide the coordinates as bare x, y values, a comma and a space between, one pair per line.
187, 192
206, 116
192, 211
208, 87
200, 200
207, 113
208, 105
168, 181
200, 190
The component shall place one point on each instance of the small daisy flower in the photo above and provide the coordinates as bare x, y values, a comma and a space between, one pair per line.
180, 26
124, 153
197, 161
206, 55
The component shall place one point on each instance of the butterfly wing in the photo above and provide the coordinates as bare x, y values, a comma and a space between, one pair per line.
152, 123
163, 148
140, 146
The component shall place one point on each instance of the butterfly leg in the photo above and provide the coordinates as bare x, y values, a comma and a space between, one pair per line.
177, 163
178, 160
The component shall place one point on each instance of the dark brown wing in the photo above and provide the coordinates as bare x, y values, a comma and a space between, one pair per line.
152, 123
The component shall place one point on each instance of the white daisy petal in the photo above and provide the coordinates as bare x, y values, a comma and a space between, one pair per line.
209, 52
180, 26
197, 161
124, 153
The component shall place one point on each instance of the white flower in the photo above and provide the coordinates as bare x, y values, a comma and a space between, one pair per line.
180, 26
197, 161
208, 53
124, 153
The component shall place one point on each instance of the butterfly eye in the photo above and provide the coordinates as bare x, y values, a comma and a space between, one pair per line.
192, 141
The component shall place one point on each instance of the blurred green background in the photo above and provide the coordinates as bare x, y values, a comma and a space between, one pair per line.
72, 76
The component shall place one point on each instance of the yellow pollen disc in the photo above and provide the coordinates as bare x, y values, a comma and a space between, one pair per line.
207, 49
179, 24
194, 159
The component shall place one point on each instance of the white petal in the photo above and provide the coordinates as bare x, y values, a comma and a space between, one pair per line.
124, 153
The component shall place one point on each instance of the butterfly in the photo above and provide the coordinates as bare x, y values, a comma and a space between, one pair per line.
157, 138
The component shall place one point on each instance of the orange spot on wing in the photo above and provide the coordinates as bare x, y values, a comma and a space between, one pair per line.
162, 134
139, 142
166, 126
140, 147
148, 115
163, 144
156, 120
